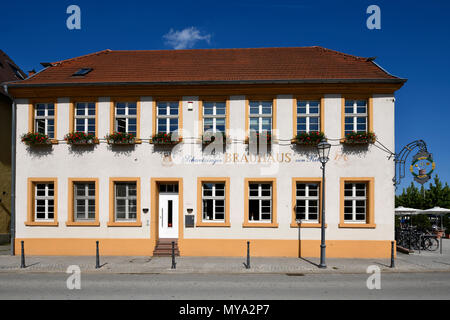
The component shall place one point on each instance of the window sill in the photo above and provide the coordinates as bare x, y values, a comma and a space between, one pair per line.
307, 225
42, 224
127, 143
357, 225
212, 224
124, 224
259, 225
82, 224
54, 141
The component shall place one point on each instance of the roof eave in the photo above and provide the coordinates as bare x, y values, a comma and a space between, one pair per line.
212, 82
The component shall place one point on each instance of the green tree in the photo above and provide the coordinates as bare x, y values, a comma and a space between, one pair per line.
437, 195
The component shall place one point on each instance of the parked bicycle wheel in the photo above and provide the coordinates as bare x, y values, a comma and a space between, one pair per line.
432, 244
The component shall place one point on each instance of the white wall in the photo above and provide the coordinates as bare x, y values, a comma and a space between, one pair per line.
142, 161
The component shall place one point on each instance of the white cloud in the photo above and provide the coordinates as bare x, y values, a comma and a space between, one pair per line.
185, 38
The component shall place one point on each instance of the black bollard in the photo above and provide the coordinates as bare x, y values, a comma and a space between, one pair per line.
174, 265
247, 266
420, 242
22, 258
440, 244
392, 254
97, 256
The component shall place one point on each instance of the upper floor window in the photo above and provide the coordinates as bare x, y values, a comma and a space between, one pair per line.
167, 116
356, 116
85, 117
126, 117
44, 119
214, 117
260, 116
308, 116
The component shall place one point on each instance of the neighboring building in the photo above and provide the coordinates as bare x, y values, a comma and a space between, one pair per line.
136, 198
9, 71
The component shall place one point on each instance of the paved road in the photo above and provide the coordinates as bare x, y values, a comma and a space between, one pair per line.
433, 285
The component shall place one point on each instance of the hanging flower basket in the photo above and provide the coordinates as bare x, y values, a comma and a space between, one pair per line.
164, 139
264, 135
120, 138
35, 139
354, 138
309, 138
209, 138
80, 138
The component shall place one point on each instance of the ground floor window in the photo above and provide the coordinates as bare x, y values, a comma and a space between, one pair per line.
42, 202
84, 201
260, 202
125, 201
44, 206
355, 202
213, 198
307, 202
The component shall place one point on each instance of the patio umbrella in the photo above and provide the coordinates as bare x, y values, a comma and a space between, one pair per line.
438, 211
400, 211
403, 211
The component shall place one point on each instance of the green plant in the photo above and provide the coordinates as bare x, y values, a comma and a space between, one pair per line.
80, 138
360, 138
164, 139
263, 135
309, 138
32, 138
120, 138
208, 138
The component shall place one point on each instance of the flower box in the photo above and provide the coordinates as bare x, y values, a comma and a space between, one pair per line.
164, 139
209, 138
120, 138
355, 138
80, 138
36, 139
309, 138
264, 135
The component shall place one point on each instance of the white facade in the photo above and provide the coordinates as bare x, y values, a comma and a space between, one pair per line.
145, 162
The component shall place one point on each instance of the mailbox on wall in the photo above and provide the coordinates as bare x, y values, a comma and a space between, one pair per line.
189, 221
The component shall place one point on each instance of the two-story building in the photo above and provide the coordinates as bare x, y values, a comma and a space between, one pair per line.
125, 157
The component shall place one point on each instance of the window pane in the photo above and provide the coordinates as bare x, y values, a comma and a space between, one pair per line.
208, 209
253, 210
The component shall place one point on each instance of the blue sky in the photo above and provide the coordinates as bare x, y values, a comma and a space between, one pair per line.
413, 42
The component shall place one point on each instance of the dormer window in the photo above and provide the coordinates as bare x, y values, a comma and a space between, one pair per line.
82, 72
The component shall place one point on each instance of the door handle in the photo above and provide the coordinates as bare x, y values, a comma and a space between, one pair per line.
162, 214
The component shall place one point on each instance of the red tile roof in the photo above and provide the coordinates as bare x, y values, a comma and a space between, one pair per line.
9, 71
213, 65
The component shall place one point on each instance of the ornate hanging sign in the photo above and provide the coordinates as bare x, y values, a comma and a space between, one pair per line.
422, 166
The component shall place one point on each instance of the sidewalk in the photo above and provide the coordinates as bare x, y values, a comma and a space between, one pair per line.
424, 262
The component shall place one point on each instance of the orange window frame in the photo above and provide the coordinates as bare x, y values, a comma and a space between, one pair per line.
200, 222
249, 224
31, 202
31, 117
71, 210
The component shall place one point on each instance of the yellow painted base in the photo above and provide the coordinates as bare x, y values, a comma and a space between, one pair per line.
209, 247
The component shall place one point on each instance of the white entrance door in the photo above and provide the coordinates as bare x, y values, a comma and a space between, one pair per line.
168, 215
